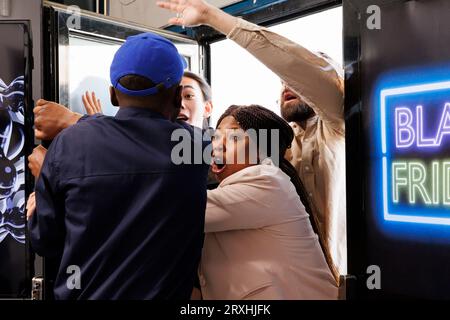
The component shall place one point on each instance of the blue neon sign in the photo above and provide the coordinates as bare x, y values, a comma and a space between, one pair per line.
415, 151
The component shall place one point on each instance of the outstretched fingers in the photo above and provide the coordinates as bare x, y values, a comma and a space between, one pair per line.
172, 5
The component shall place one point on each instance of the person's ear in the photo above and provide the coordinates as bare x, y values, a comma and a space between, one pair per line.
208, 109
113, 96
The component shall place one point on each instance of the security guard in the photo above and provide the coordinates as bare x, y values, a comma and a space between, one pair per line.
126, 222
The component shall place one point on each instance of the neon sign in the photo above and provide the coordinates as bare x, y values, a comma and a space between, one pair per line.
415, 147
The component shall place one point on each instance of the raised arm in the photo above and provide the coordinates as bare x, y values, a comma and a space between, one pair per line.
248, 204
233, 208
50, 118
46, 225
306, 73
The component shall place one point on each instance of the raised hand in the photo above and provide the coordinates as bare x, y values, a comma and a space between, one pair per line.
91, 103
190, 13
36, 159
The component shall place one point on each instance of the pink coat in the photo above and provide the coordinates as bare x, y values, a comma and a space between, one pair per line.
259, 241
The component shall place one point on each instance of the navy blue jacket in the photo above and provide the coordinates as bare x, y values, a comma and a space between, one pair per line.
111, 202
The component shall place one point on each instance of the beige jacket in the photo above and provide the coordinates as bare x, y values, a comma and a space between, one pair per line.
318, 152
259, 241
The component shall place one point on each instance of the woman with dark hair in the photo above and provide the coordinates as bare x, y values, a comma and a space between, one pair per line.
196, 103
260, 242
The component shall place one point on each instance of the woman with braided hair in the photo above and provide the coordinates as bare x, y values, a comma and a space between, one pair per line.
260, 242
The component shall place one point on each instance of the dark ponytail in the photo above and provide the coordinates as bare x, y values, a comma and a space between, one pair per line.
288, 169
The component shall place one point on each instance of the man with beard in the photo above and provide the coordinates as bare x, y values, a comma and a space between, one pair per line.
318, 154
312, 100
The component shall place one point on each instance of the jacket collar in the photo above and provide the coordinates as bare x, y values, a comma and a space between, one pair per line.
250, 173
298, 130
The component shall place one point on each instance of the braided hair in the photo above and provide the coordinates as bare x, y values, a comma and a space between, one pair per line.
257, 117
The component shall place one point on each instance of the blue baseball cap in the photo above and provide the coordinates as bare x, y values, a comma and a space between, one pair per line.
150, 56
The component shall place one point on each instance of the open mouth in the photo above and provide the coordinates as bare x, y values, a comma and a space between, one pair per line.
182, 117
288, 96
218, 166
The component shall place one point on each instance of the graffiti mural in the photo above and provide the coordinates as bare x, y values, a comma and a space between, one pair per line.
12, 171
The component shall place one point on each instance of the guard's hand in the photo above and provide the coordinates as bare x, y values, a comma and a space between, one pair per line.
91, 103
36, 159
51, 118
31, 205
190, 13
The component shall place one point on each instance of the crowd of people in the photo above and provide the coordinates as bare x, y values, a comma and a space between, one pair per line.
110, 200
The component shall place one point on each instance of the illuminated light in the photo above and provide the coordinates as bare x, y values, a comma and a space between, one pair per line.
385, 93
444, 125
446, 183
398, 181
417, 176
412, 176
417, 219
421, 141
435, 182
415, 190
403, 126
383, 122
385, 189
405, 135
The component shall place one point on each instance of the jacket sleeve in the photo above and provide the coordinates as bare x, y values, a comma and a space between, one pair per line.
46, 226
307, 74
249, 205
